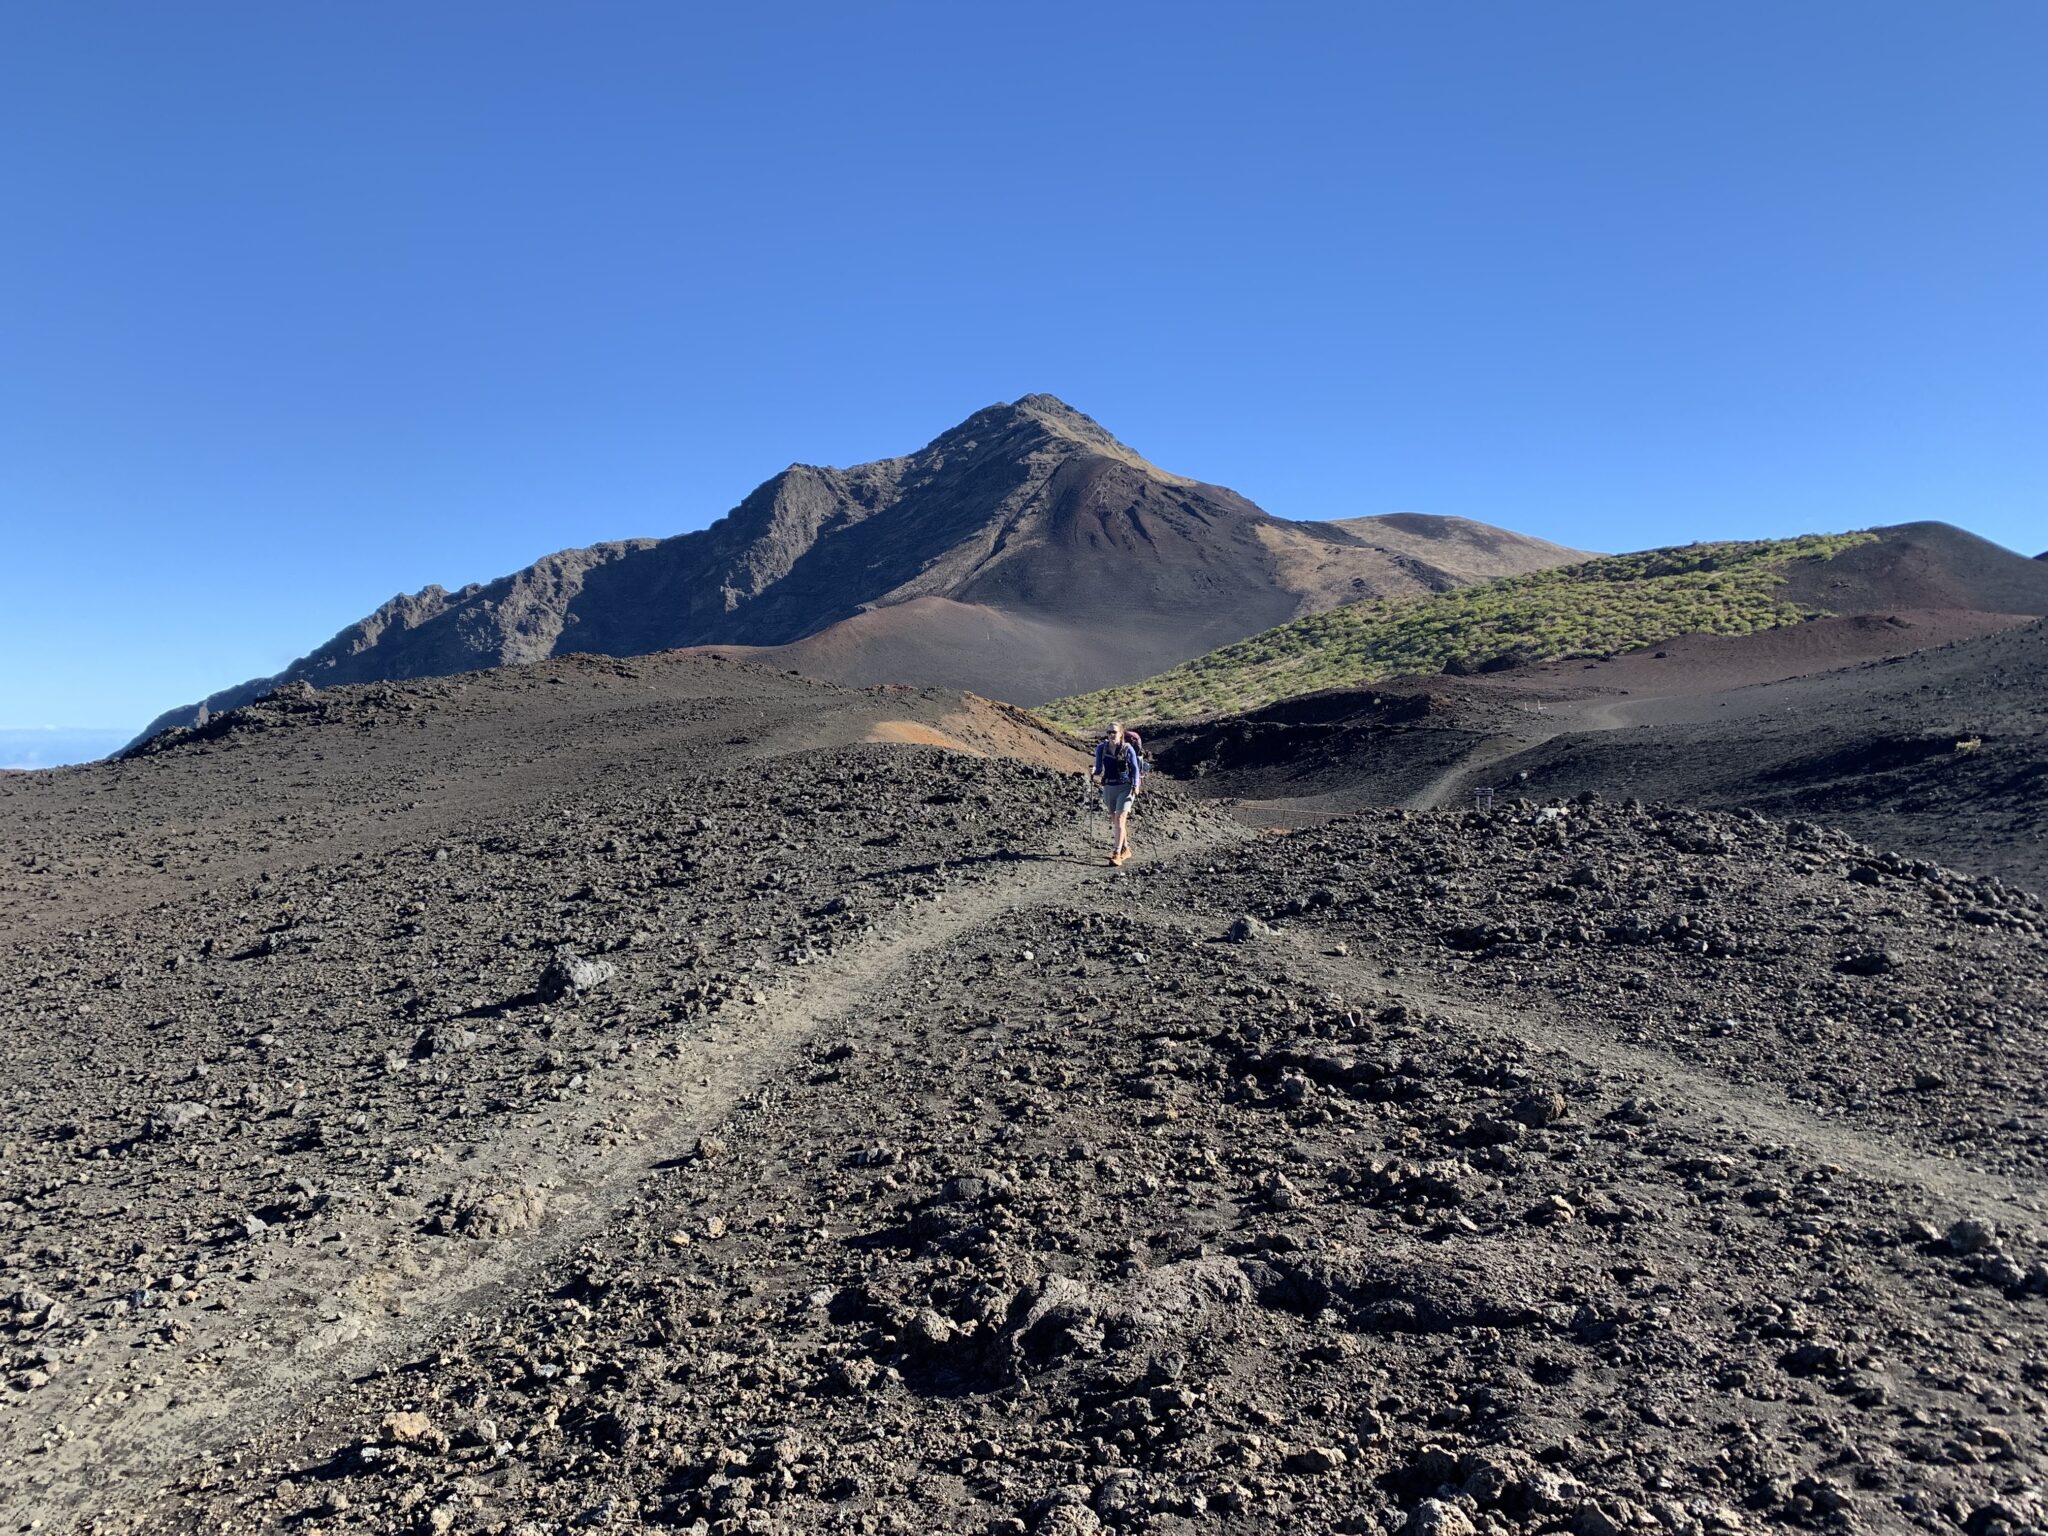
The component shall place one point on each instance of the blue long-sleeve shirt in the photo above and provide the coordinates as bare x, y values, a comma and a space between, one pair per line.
1130, 770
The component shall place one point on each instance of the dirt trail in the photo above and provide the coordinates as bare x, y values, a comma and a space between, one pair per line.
335, 1318
1451, 783
1759, 1110
1586, 717
1562, 1172
1065, 1090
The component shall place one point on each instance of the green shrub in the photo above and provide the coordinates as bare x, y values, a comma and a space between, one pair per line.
1596, 608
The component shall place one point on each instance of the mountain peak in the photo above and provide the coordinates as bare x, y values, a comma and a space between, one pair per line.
1050, 407
1053, 413
1062, 560
1054, 418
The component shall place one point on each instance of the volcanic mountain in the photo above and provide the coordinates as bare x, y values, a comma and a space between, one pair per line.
1023, 554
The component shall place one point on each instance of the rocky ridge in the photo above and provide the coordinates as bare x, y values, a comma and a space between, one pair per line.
1029, 512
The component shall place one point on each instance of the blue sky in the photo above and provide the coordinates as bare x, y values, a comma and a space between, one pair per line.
301, 306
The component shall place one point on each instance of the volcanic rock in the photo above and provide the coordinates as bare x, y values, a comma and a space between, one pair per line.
1159, 1230
568, 973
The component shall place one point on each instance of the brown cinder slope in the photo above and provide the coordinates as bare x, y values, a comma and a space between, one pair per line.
1470, 551
1942, 753
1030, 509
1936, 746
1923, 565
942, 643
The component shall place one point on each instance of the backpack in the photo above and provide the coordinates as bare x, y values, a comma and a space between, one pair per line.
1137, 744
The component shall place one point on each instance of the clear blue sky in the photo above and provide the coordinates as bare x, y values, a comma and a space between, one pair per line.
302, 305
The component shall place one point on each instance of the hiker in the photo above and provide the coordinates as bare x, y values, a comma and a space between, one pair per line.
1120, 772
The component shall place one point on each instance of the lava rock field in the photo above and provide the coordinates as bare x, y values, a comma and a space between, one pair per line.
598, 1096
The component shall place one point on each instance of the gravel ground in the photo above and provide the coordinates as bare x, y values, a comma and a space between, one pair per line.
597, 1096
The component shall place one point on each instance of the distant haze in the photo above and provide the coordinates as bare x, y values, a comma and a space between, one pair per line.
54, 746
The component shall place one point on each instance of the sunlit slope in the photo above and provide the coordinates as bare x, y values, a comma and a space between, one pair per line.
1593, 608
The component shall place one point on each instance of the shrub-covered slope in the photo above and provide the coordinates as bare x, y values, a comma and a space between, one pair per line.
1599, 606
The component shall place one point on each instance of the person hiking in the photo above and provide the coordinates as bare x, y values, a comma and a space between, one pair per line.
1121, 773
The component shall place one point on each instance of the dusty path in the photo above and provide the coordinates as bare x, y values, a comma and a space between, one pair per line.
1760, 1111
1587, 717
1297, 1233
1451, 784
1955, 1186
1066, 1088
382, 1298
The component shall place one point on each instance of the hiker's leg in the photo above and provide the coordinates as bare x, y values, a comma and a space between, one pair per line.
1122, 824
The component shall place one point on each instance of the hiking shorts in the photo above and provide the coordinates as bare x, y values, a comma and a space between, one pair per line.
1117, 797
